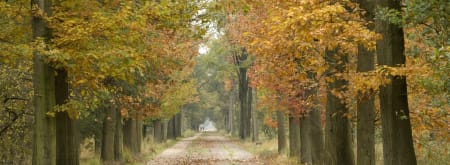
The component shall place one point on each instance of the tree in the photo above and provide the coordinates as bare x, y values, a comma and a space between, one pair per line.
291, 45
396, 127
294, 136
311, 134
281, 132
109, 129
67, 133
255, 131
365, 100
44, 147
157, 131
338, 146
130, 136
241, 60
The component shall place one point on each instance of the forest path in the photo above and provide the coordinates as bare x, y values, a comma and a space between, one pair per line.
207, 148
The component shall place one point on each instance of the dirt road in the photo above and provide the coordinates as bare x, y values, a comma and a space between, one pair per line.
205, 149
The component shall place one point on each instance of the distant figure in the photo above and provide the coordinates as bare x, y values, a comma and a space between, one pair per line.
201, 128
207, 126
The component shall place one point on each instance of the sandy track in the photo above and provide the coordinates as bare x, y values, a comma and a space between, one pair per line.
205, 149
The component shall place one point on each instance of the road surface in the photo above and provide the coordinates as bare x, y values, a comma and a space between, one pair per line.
205, 149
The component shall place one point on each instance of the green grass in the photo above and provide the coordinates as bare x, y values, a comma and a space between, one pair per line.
188, 133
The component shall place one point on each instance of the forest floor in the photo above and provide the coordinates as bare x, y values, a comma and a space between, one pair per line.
209, 148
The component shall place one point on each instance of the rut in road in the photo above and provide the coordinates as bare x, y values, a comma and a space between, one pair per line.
205, 149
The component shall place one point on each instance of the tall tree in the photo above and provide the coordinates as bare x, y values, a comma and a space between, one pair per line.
118, 134
171, 128
179, 123
281, 132
338, 146
109, 129
365, 138
241, 60
67, 133
255, 131
311, 134
230, 111
397, 135
294, 136
44, 140
130, 135
157, 131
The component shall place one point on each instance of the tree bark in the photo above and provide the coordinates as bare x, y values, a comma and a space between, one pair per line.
243, 90
164, 130
178, 124
254, 115
337, 130
139, 135
294, 137
109, 129
130, 135
311, 138
158, 133
315, 136
171, 128
365, 138
305, 145
98, 135
396, 127
230, 112
311, 135
44, 138
118, 136
67, 134
281, 132
245, 96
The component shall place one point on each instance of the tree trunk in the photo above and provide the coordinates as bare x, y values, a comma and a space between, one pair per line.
337, 131
98, 134
315, 136
157, 131
109, 129
311, 135
281, 132
365, 138
248, 121
164, 130
294, 137
397, 139
44, 138
305, 145
311, 138
144, 131
170, 128
178, 124
243, 90
254, 118
98, 144
139, 135
67, 134
118, 136
245, 97
230, 112
130, 135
